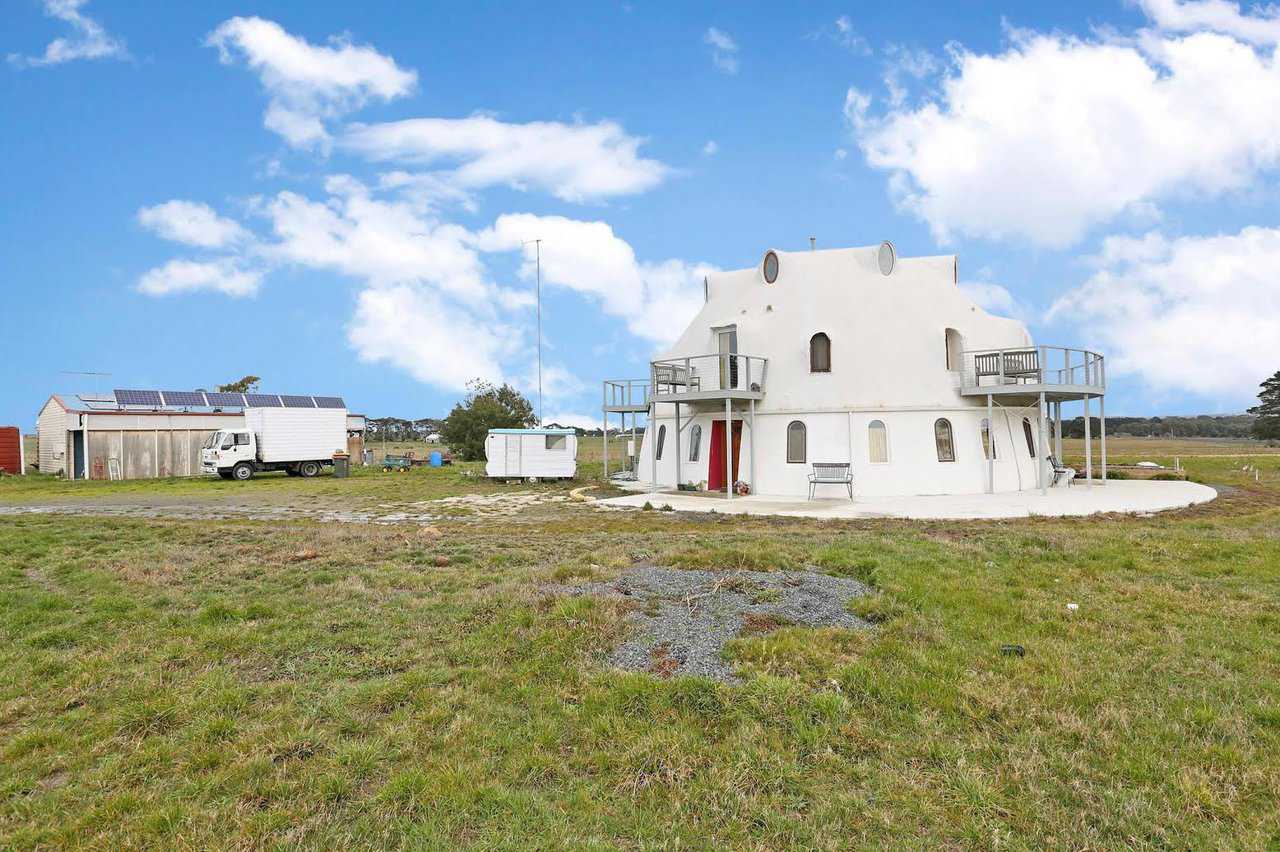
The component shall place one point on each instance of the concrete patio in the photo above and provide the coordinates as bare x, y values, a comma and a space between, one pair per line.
1127, 496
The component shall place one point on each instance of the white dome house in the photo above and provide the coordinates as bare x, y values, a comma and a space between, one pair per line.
853, 372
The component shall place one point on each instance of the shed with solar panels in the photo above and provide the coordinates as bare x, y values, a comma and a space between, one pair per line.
147, 434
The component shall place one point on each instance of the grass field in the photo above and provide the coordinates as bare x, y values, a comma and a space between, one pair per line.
229, 684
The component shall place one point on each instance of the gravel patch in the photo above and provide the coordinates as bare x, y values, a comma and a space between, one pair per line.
683, 619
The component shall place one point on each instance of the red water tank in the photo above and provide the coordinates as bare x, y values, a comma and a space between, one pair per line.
10, 450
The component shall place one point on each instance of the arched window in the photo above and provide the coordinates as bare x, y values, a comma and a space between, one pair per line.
662, 439
988, 447
797, 443
955, 349
878, 442
695, 442
1031, 441
942, 438
820, 353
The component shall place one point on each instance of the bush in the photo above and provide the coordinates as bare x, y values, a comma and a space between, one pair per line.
485, 407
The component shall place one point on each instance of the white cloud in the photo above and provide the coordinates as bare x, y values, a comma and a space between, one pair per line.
655, 300
991, 297
192, 223
1217, 16
413, 329
309, 84
90, 41
843, 34
1191, 314
574, 421
574, 162
904, 65
187, 276
724, 50
710, 149
1057, 134
375, 240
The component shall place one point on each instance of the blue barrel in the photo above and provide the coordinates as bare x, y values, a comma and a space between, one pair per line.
436, 458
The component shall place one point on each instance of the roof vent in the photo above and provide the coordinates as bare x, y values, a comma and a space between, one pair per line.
886, 257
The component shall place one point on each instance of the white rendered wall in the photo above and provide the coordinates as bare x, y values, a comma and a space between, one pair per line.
888, 363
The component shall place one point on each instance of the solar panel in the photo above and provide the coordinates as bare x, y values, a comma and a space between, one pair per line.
297, 401
148, 398
183, 398
263, 400
330, 402
220, 399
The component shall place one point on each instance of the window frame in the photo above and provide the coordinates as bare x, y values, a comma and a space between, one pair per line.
951, 441
986, 436
695, 442
1031, 439
813, 360
562, 440
884, 428
803, 431
764, 267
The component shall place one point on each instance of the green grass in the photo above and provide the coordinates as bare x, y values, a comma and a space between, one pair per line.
215, 684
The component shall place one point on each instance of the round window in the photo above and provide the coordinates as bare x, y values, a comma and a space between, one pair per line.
886, 257
770, 267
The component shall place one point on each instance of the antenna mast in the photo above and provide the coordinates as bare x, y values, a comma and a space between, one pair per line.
537, 243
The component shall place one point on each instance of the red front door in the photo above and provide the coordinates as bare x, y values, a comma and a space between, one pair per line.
715, 459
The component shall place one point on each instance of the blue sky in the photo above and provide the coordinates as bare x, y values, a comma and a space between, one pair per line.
335, 198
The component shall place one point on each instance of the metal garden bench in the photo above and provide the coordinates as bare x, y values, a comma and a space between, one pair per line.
831, 473
1061, 473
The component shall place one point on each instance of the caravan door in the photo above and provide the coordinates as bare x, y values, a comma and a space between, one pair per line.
513, 454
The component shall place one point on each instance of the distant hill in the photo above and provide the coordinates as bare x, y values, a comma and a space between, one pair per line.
1196, 426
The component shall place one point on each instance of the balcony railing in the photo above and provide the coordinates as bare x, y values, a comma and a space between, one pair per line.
626, 393
709, 375
1034, 365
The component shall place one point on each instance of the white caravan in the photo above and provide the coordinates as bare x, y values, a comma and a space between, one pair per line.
531, 453
299, 441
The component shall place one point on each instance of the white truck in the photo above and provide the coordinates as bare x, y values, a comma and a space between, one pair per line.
299, 441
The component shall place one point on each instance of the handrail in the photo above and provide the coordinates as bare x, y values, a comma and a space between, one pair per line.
626, 392
1041, 365
714, 372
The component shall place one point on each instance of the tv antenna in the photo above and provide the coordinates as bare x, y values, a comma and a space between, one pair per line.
538, 265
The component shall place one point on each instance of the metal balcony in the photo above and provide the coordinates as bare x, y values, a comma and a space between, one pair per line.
699, 378
1059, 372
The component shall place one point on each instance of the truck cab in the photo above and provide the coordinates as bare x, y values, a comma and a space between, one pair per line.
230, 453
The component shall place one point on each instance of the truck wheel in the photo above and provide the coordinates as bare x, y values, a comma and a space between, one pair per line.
242, 471
309, 469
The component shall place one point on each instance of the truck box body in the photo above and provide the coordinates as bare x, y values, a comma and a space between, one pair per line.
297, 434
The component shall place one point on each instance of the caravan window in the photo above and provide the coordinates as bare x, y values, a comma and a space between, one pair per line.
557, 442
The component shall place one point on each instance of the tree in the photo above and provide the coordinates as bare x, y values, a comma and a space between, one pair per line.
1267, 426
248, 384
485, 407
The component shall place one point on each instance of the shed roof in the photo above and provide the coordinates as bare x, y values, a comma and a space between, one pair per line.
532, 432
